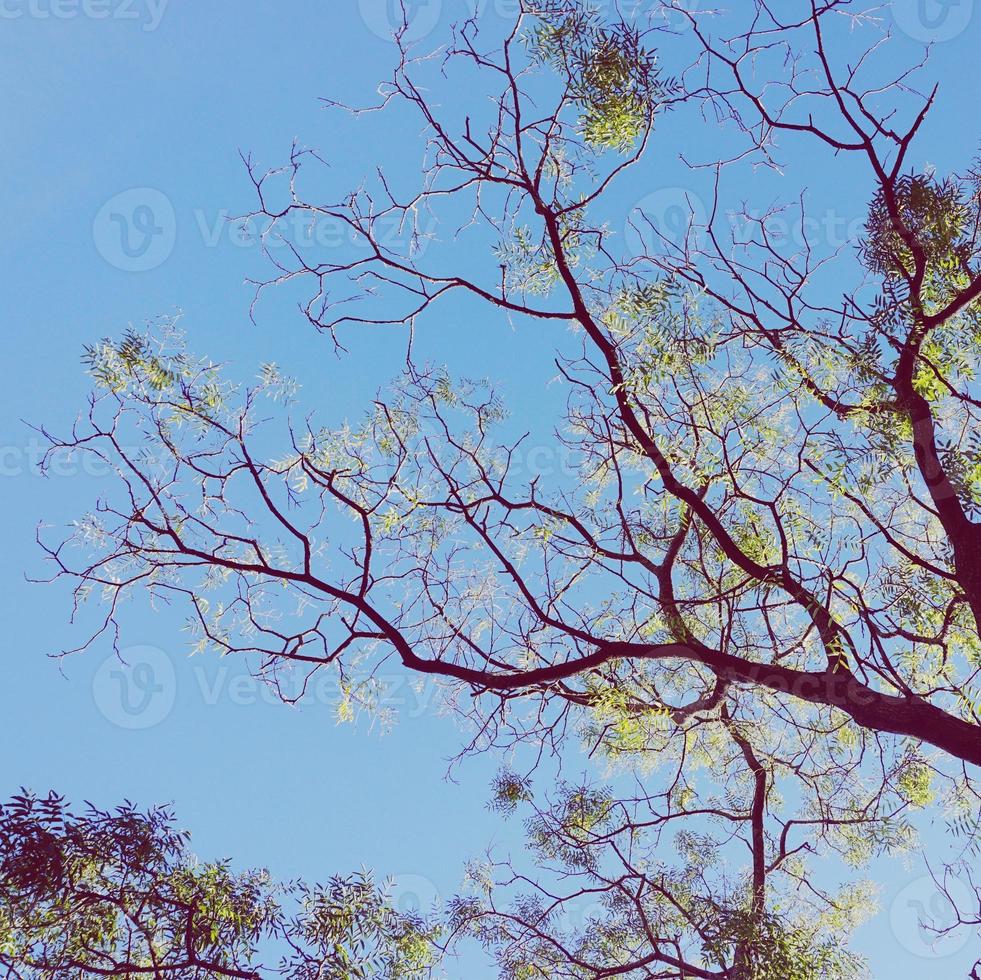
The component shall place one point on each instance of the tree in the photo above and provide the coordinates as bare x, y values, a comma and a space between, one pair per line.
118, 893
762, 586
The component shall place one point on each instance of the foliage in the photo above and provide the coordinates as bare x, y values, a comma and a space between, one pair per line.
610, 75
101, 893
752, 591
776, 950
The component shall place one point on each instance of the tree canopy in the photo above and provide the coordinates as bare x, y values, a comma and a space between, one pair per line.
758, 595
119, 893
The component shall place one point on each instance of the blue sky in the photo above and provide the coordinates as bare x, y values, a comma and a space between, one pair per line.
113, 106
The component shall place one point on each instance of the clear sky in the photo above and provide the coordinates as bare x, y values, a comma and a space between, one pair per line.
139, 108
